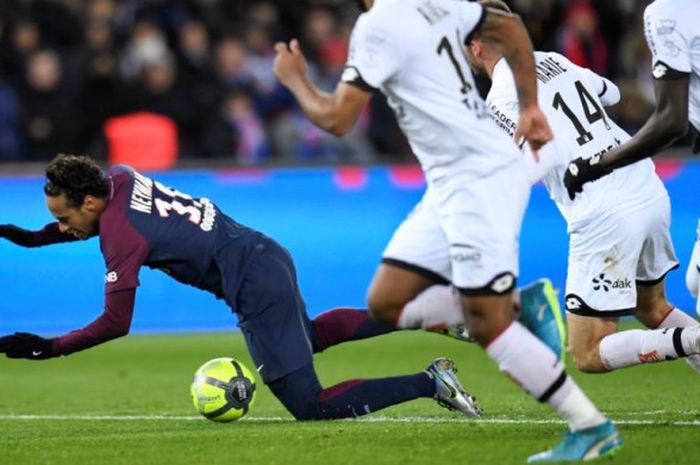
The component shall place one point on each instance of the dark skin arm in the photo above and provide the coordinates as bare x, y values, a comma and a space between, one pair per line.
668, 122
509, 34
338, 112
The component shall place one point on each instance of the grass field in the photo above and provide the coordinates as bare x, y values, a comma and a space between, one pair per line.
127, 402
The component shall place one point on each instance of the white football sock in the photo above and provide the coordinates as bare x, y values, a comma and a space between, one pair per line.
635, 346
437, 307
679, 319
530, 363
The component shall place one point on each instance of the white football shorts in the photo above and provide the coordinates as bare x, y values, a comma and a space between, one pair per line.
611, 256
465, 232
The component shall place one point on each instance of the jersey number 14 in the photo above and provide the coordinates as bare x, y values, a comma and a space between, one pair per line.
591, 109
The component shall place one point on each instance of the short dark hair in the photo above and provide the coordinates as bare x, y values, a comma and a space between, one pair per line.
75, 176
495, 5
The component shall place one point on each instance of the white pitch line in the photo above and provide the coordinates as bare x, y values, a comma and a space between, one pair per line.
377, 419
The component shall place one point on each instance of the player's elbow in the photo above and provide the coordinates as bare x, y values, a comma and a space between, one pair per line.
672, 124
676, 127
118, 330
339, 126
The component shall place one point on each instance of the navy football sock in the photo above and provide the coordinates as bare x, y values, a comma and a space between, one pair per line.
301, 393
355, 398
345, 324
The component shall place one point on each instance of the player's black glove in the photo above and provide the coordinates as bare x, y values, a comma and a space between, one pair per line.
25, 345
580, 171
10, 231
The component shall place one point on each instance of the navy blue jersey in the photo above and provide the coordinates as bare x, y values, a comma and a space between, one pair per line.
147, 223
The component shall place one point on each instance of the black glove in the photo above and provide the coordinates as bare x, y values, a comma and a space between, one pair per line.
581, 171
25, 345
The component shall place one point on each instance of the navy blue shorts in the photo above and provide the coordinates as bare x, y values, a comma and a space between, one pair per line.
272, 314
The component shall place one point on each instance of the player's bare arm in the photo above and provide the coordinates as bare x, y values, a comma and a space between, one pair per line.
668, 122
507, 31
334, 112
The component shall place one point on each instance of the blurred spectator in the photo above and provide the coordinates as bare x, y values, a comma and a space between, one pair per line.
207, 65
146, 45
541, 18
159, 91
580, 38
50, 121
237, 132
231, 65
11, 142
24, 39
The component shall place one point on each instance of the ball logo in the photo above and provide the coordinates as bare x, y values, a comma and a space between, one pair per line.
111, 277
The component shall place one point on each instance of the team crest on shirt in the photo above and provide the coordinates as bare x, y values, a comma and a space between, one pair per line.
665, 26
672, 49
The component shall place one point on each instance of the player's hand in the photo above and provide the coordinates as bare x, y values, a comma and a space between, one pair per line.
580, 171
4, 228
25, 345
533, 128
289, 65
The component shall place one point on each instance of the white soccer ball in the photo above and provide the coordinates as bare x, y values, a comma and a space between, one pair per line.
223, 389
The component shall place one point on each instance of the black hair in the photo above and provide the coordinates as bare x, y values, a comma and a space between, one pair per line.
75, 176
496, 5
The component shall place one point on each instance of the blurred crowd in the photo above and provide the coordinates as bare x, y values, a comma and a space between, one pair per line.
67, 67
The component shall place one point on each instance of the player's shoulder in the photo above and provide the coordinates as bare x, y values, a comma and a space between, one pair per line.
389, 16
123, 170
666, 15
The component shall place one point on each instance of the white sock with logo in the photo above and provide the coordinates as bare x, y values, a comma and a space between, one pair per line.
437, 307
636, 346
531, 364
679, 319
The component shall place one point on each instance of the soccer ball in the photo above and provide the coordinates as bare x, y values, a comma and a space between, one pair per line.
223, 389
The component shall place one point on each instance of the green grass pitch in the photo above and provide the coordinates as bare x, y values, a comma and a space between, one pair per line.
127, 402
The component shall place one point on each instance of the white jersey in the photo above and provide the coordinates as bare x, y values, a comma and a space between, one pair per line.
412, 51
672, 30
573, 99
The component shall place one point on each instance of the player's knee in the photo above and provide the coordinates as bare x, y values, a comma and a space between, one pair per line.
588, 360
382, 308
692, 279
487, 319
305, 411
299, 392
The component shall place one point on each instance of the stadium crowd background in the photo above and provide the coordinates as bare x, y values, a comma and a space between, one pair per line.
69, 67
